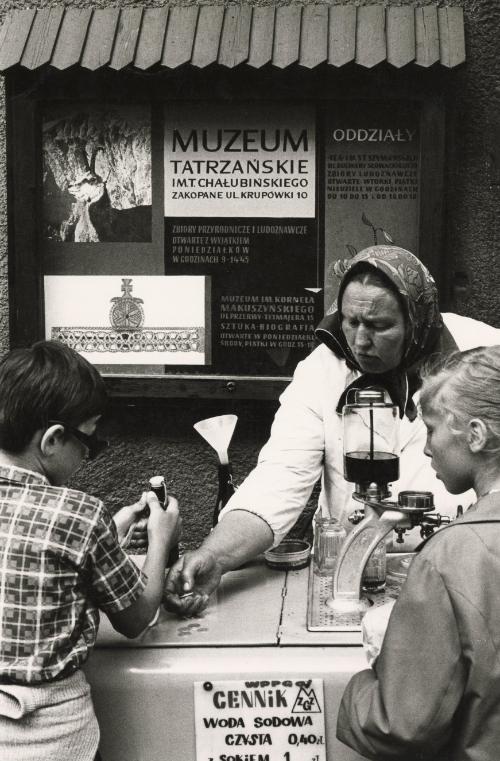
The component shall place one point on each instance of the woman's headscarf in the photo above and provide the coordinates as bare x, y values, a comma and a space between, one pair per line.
425, 332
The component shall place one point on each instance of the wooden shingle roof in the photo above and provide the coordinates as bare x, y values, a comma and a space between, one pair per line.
201, 35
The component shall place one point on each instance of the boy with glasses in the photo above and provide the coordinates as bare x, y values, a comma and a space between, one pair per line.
61, 559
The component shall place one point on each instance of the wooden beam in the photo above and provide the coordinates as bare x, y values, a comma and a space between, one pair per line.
127, 34
196, 386
151, 37
235, 40
207, 37
262, 36
287, 35
427, 35
42, 37
400, 32
370, 36
451, 35
71, 37
314, 36
13, 36
100, 38
341, 34
180, 35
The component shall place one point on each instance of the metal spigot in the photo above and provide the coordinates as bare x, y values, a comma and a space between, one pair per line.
431, 522
400, 532
356, 517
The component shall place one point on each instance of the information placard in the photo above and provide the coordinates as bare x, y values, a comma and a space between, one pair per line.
372, 163
265, 302
245, 160
202, 239
260, 720
240, 205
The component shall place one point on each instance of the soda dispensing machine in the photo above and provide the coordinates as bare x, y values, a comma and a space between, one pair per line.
371, 462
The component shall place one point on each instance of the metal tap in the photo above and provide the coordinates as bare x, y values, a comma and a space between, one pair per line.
432, 522
357, 516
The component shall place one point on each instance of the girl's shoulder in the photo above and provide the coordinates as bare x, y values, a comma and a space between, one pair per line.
463, 547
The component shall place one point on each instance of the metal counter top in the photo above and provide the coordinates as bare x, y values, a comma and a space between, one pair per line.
245, 610
293, 627
254, 606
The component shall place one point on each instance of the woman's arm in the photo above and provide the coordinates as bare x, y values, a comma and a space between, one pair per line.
291, 461
270, 499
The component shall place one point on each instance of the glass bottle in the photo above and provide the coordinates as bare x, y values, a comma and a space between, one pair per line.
159, 486
371, 438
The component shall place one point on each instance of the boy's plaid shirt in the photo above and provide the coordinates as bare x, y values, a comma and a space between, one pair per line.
59, 562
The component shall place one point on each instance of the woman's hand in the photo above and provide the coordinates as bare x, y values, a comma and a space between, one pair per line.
191, 581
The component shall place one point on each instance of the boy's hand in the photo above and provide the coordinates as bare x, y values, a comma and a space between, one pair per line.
131, 527
373, 628
163, 524
163, 527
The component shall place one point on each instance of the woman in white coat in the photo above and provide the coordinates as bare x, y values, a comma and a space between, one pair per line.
385, 323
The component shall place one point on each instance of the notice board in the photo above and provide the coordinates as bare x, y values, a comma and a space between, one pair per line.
190, 247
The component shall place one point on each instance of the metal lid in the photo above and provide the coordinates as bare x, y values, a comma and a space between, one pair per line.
419, 500
367, 397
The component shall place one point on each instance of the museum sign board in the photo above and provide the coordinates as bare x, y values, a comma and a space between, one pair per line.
185, 231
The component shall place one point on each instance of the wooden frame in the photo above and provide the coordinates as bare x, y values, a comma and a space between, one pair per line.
26, 266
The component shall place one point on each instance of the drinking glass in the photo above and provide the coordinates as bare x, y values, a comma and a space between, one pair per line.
374, 574
329, 537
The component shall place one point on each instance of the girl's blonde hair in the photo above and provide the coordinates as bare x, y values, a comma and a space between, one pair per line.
466, 385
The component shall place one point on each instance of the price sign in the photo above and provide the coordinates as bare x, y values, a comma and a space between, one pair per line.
260, 720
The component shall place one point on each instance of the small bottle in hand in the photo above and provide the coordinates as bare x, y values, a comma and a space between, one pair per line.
159, 487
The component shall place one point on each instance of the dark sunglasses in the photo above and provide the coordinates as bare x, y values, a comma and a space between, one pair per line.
92, 442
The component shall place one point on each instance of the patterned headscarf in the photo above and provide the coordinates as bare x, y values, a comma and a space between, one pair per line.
425, 333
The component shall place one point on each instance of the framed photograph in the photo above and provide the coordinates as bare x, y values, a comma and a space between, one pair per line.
96, 173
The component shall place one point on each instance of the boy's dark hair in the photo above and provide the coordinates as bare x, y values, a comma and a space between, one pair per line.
48, 381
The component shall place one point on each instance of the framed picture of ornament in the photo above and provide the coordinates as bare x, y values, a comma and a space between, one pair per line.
137, 320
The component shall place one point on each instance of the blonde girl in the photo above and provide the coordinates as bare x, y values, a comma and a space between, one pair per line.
434, 691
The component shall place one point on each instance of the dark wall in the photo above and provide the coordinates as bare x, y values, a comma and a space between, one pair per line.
473, 166
152, 437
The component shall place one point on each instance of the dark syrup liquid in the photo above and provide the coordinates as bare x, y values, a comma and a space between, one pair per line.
361, 467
